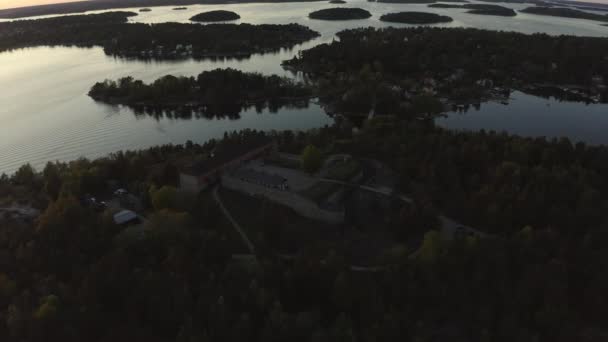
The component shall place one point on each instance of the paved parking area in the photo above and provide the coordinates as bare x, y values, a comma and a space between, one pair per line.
296, 180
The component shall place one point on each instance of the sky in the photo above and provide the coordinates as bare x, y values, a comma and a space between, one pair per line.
23, 3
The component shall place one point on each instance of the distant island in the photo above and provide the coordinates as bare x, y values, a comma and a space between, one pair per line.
213, 93
145, 10
98, 5
212, 16
482, 9
337, 2
340, 13
152, 41
513, 1
564, 13
415, 18
407, 1
490, 10
180, 8
591, 8
414, 1
445, 6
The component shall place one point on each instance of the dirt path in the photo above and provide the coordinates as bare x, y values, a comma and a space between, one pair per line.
235, 224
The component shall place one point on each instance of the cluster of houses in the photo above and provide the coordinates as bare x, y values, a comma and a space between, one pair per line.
180, 51
156, 50
22, 214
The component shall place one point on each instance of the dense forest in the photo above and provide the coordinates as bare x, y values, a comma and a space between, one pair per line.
216, 92
415, 18
73, 275
496, 182
162, 41
390, 67
219, 15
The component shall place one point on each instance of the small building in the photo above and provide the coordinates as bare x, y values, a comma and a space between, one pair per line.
120, 192
125, 217
597, 80
199, 175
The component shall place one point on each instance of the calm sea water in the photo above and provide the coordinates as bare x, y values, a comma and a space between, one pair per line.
46, 114
529, 115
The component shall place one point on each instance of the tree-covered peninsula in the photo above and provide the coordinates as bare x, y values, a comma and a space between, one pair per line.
152, 41
216, 92
565, 13
483, 9
415, 18
340, 13
408, 70
212, 16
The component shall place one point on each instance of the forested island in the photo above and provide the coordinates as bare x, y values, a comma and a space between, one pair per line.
337, 1
409, 70
152, 41
490, 10
219, 15
221, 92
481, 9
340, 13
565, 13
434, 5
415, 18
180, 8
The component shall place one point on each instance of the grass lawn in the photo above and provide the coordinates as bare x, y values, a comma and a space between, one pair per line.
320, 191
255, 215
344, 171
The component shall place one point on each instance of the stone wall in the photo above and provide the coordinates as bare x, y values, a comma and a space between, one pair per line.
299, 204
